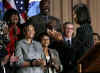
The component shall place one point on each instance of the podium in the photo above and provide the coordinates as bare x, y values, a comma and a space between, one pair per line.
90, 62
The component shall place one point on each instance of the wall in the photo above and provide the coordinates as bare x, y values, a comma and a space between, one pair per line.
95, 14
62, 9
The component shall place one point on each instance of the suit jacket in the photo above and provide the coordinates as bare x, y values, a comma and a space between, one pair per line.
71, 42
55, 58
66, 54
83, 40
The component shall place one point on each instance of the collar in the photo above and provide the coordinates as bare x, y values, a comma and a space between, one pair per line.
66, 39
25, 41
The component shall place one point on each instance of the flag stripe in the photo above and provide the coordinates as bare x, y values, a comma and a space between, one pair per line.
33, 8
24, 15
12, 4
7, 5
1, 10
34, 0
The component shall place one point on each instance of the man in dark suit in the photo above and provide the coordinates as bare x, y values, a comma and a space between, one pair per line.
43, 18
65, 48
68, 33
68, 51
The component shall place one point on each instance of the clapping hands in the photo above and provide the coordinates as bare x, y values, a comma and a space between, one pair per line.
38, 62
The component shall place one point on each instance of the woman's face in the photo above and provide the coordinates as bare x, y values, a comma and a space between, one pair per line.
30, 32
45, 41
14, 19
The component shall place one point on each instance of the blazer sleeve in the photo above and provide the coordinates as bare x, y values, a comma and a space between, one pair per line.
19, 54
55, 56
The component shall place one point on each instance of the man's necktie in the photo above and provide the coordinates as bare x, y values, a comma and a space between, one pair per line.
69, 45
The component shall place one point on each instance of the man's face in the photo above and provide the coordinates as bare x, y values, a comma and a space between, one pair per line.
68, 30
44, 6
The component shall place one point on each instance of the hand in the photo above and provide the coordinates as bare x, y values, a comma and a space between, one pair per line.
58, 36
54, 34
13, 58
5, 30
56, 66
39, 62
43, 63
69, 34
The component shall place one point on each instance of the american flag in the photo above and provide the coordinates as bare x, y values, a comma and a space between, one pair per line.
1, 9
19, 5
33, 7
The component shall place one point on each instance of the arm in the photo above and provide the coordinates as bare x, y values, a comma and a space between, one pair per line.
19, 53
56, 61
21, 61
42, 59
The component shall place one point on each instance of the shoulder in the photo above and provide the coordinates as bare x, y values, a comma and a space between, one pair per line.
36, 42
53, 51
36, 16
21, 42
85, 28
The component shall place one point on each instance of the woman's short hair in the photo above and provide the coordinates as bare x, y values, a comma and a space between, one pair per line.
8, 15
41, 35
28, 23
82, 13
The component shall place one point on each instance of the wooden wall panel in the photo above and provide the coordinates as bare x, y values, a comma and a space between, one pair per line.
62, 9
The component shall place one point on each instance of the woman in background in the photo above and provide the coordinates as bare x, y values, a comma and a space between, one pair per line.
30, 53
4, 57
12, 18
84, 37
96, 38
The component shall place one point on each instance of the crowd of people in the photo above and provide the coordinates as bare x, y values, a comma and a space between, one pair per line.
39, 45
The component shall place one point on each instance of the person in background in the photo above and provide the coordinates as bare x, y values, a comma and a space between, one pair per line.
96, 38
68, 51
53, 64
51, 30
11, 17
30, 53
84, 36
4, 57
43, 18
68, 33
4, 38
60, 43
